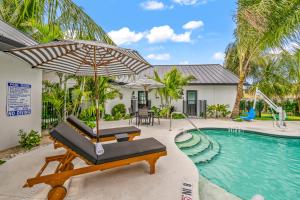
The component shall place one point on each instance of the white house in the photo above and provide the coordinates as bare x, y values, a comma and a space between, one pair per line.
212, 83
20, 87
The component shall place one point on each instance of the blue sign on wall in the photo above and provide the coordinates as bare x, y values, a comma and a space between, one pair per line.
18, 99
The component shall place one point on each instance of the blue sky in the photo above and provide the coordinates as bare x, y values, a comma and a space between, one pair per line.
168, 31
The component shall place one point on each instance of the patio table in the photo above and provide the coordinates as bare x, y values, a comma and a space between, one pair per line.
151, 114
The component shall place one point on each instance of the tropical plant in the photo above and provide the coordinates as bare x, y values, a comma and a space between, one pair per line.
270, 76
54, 94
63, 15
29, 140
218, 110
105, 90
292, 61
108, 117
260, 25
174, 81
119, 108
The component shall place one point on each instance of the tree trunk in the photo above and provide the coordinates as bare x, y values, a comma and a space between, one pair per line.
239, 95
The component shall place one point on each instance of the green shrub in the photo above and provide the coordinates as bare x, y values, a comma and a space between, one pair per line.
156, 110
118, 116
108, 117
178, 116
164, 112
238, 119
88, 114
218, 110
29, 140
2, 162
127, 116
91, 124
119, 108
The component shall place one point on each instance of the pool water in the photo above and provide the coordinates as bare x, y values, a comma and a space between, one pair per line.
250, 164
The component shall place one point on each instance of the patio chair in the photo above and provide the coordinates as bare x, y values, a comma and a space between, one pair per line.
105, 134
143, 115
78, 146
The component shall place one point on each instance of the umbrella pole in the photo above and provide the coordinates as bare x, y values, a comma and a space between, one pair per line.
97, 95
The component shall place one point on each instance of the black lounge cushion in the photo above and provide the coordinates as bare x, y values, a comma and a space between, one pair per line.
109, 132
112, 152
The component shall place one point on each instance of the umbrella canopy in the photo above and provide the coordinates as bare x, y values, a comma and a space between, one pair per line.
83, 58
145, 83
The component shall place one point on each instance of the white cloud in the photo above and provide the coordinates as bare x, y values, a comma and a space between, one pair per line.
163, 56
165, 33
125, 36
186, 2
185, 62
219, 56
193, 25
190, 2
153, 5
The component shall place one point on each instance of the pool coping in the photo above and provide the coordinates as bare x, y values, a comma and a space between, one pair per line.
248, 131
219, 188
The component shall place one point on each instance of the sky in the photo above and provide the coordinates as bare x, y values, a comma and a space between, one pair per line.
167, 31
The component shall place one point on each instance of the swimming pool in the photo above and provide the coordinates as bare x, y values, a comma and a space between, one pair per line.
248, 164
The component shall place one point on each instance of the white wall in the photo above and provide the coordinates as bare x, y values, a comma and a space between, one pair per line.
214, 94
15, 70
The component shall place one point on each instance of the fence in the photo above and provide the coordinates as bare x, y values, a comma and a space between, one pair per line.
49, 116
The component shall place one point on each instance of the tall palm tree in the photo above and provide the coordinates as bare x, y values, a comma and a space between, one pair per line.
260, 25
270, 76
292, 61
65, 14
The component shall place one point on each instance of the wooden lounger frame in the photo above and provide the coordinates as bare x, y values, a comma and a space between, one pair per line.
65, 169
105, 139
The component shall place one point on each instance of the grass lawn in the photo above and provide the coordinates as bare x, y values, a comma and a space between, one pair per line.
269, 117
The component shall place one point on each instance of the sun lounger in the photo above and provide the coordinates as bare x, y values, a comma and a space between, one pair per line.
78, 146
104, 134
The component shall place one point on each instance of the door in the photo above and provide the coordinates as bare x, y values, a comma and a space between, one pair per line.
191, 100
141, 99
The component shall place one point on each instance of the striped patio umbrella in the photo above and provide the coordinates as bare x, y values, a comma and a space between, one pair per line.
83, 58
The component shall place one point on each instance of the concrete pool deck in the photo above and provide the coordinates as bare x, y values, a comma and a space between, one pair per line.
133, 181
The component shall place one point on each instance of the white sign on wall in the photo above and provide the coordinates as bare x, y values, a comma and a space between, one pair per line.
18, 99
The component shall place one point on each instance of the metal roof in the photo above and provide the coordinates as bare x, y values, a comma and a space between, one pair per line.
10, 37
205, 74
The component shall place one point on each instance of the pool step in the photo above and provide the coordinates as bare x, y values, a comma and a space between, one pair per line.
185, 137
208, 155
200, 147
192, 142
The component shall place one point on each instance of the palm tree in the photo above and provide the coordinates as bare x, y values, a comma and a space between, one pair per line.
261, 25
54, 94
174, 82
65, 14
292, 62
105, 89
270, 76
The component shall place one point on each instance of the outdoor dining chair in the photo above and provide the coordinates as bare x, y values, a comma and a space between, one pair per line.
143, 115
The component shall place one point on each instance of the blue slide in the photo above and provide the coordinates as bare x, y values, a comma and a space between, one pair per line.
251, 115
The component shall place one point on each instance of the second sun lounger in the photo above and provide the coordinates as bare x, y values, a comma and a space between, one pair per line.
105, 134
78, 146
